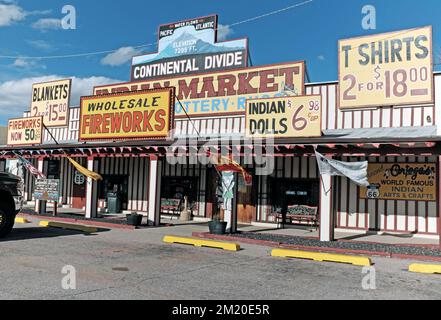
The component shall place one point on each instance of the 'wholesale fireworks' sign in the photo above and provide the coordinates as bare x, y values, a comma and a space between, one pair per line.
401, 181
226, 92
141, 115
51, 101
190, 47
390, 69
25, 132
290, 117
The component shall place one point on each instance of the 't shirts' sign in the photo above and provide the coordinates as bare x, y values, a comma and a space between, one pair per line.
401, 181
291, 117
223, 93
389, 69
26, 131
190, 47
141, 115
51, 101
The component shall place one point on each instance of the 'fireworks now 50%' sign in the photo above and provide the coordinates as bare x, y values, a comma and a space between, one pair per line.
290, 117
134, 115
389, 69
26, 131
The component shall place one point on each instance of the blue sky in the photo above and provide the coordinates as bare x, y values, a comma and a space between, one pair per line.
310, 32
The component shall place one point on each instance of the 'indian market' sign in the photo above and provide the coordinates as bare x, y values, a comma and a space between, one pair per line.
51, 101
289, 117
389, 69
190, 47
401, 181
134, 115
223, 93
26, 131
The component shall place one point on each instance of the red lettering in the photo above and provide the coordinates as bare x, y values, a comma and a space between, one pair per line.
188, 91
137, 115
116, 122
244, 83
267, 82
147, 118
127, 122
160, 119
226, 85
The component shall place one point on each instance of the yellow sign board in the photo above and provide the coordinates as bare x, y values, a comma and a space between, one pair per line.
401, 181
223, 92
390, 69
141, 115
51, 101
26, 131
290, 117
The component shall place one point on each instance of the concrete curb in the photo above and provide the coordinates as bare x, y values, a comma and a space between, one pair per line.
98, 224
199, 242
272, 244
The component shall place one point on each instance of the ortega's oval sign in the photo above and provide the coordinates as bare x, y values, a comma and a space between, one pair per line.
141, 115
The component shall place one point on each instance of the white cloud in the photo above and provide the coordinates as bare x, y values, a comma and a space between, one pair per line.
27, 64
15, 95
47, 24
321, 57
11, 13
224, 32
120, 56
40, 44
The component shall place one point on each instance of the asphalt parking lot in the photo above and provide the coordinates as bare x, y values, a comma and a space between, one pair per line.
120, 264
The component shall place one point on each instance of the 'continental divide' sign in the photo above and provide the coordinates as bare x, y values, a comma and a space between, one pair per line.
290, 117
390, 69
226, 92
142, 115
401, 181
190, 47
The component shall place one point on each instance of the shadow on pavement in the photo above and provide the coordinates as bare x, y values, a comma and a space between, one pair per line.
31, 233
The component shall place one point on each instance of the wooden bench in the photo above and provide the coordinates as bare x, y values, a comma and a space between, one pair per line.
171, 207
300, 214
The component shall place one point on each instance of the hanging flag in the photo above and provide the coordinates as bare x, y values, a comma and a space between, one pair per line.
227, 164
30, 167
355, 171
90, 174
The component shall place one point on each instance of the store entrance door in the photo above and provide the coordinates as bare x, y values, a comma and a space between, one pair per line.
246, 201
79, 191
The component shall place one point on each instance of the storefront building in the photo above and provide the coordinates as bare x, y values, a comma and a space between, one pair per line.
404, 138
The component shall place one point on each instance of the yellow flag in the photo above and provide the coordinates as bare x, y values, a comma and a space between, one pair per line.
90, 174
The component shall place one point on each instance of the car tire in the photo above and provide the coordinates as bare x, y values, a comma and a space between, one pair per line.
7, 220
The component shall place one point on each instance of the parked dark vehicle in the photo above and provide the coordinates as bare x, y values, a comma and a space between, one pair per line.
11, 201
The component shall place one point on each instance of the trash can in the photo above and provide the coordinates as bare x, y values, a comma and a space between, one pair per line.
114, 202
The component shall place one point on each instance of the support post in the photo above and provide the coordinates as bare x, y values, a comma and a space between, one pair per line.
326, 209
154, 191
40, 206
439, 197
230, 216
91, 190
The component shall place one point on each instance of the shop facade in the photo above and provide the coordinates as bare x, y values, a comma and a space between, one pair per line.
142, 176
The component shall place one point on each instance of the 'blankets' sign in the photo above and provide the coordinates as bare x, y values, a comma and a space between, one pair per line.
190, 47
26, 131
51, 101
141, 115
290, 117
223, 93
388, 69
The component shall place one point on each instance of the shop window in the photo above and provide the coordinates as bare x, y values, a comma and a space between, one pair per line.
115, 184
180, 187
53, 169
289, 192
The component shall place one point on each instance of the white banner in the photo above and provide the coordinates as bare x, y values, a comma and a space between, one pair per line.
355, 171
